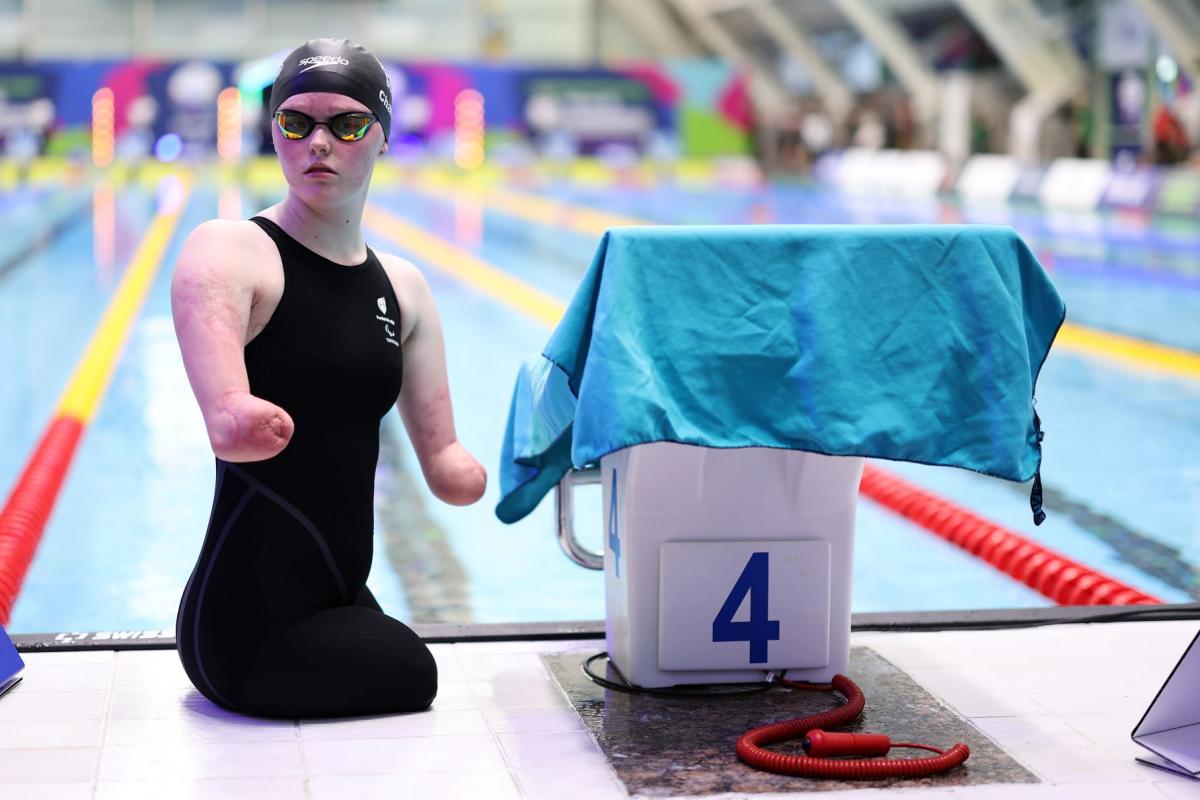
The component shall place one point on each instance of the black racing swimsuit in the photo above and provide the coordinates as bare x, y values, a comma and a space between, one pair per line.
276, 619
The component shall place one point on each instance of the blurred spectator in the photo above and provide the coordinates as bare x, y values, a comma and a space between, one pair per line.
1081, 125
981, 135
788, 151
1058, 134
1170, 139
1187, 107
906, 124
870, 133
816, 131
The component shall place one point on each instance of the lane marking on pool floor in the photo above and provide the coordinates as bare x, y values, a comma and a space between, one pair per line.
27, 510
42, 239
1130, 351
480, 275
532, 208
1122, 349
930, 511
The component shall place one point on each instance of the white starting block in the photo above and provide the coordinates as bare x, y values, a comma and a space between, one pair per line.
721, 564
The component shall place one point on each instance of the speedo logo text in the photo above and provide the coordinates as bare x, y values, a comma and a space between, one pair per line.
318, 61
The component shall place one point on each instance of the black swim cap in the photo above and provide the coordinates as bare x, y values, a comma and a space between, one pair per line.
339, 66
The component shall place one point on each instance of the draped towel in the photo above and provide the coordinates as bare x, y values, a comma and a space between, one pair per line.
915, 343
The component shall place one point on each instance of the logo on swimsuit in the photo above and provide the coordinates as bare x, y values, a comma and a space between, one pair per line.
388, 330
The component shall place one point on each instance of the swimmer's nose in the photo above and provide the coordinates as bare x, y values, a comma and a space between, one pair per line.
320, 140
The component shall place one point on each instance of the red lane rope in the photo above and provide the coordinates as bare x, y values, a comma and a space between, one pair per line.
751, 751
1061, 579
28, 508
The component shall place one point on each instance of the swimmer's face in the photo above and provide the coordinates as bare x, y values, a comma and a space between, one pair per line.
351, 163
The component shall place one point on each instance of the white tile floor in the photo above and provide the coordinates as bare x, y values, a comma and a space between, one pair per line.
1061, 700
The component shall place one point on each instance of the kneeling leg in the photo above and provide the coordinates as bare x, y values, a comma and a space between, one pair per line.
343, 661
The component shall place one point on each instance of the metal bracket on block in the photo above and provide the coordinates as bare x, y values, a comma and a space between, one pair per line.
564, 501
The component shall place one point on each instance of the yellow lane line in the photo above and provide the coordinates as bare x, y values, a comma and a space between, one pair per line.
471, 269
90, 379
1122, 349
1129, 350
531, 208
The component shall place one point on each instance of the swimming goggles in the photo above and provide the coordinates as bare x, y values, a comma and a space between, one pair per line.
349, 127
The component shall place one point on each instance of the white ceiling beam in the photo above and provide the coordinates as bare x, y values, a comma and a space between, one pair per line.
1045, 65
791, 38
770, 94
650, 23
897, 49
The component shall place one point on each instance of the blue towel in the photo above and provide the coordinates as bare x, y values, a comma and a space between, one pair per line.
914, 343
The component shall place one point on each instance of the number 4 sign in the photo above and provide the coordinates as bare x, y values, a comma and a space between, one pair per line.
743, 605
755, 581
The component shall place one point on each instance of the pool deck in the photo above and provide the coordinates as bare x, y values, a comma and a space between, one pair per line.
1061, 700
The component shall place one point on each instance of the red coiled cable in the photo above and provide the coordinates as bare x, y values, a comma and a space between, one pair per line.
750, 750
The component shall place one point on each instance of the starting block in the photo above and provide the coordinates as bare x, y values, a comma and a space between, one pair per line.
721, 564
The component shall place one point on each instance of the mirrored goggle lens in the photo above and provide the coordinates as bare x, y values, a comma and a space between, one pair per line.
351, 126
294, 125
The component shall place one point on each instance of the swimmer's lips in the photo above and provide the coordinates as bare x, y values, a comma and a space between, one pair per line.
319, 169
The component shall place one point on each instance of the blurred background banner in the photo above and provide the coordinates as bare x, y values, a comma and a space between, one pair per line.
700, 105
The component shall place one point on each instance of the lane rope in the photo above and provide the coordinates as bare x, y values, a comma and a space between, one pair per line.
29, 505
1057, 577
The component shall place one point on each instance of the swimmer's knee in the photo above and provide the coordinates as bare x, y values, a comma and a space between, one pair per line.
424, 679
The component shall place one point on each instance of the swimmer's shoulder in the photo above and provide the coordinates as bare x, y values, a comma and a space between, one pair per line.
237, 253
410, 286
228, 246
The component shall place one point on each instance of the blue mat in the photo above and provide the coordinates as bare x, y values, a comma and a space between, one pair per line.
10, 664
914, 343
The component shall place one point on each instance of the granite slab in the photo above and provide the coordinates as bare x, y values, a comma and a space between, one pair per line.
671, 747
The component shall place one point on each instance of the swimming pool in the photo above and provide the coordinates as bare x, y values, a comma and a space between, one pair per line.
1122, 480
